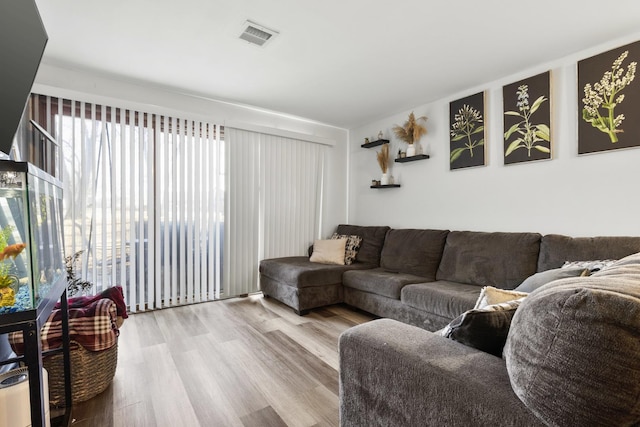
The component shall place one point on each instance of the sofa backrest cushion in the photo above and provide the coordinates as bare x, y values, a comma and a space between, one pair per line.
411, 251
372, 241
572, 350
555, 249
502, 260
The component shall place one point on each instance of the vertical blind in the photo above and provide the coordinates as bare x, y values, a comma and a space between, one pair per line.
143, 200
179, 211
274, 202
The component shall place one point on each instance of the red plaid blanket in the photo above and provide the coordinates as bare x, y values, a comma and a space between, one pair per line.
92, 326
114, 293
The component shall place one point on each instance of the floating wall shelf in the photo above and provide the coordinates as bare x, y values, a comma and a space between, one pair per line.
412, 158
386, 186
375, 143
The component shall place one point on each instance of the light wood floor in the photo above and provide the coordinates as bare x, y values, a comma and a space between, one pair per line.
239, 362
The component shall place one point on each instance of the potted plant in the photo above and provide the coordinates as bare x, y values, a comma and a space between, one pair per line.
75, 284
383, 161
411, 132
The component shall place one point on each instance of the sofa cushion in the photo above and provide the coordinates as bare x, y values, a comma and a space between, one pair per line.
555, 249
445, 299
299, 272
372, 241
483, 328
416, 252
379, 282
502, 260
329, 251
538, 280
572, 351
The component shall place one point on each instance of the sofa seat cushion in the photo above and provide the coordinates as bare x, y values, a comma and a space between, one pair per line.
572, 351
299, 272
443, 298
379, 282
502, 260
416, 252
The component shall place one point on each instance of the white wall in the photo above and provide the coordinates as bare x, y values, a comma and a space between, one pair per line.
597, 194
90, 87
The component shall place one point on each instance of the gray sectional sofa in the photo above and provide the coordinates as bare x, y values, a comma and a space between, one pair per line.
427, 277
571, 353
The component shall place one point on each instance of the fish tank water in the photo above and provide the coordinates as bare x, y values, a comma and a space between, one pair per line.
31, 246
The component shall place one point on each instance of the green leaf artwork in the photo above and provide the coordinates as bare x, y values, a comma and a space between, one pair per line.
527, 135
601, 99
467, 127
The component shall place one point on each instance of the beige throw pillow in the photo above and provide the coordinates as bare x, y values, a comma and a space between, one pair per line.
328, 251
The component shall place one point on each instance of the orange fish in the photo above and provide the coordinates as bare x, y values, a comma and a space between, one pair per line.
12, 251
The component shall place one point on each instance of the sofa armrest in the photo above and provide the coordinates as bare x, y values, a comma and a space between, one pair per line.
393, 374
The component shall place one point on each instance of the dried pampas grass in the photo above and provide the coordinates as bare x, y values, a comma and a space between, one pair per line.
383, 157
412, 130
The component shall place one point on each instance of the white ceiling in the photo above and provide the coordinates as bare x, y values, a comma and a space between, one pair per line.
339, 62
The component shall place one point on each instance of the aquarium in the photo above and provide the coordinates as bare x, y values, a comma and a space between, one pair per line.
31, 246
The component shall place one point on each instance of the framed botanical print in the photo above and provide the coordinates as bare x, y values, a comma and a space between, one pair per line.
467, 132
527, 119
609, 100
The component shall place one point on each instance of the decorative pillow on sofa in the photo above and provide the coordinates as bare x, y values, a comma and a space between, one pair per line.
593, 266
490, 295
485, 329
328, 251
540, 279
351, 248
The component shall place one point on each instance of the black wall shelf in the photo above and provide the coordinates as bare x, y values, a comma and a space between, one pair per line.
412, 158
386, 186
375, 143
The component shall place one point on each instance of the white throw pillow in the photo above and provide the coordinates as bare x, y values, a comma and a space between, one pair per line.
490, 296
328, 251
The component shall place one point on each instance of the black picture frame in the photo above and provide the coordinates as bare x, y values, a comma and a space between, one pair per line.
605, 120
527, 119
467, 132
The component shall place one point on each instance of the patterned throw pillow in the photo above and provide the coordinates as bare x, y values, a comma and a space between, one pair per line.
593, 266
485, 329
351, 248
490, 295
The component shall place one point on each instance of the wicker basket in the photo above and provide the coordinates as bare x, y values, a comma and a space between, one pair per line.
91, 373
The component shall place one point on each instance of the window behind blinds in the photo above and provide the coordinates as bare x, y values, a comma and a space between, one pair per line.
143, 200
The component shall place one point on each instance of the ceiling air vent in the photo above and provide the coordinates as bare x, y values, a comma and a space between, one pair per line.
257, 34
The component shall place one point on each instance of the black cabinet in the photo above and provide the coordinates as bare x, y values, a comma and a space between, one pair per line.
30, 323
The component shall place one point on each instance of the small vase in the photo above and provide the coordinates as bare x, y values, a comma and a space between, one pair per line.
385, 179
411, 150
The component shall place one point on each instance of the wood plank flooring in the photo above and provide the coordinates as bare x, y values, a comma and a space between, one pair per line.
246, 362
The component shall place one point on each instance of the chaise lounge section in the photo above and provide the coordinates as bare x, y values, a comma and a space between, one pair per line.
304, 285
